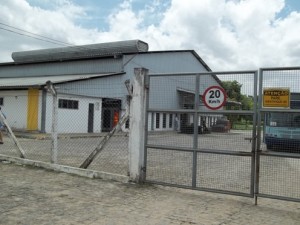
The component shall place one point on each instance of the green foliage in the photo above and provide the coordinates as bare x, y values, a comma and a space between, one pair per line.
233, 90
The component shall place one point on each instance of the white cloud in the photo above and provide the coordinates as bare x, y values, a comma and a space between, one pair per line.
228, 35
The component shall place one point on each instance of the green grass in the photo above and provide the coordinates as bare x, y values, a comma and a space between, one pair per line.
242, 126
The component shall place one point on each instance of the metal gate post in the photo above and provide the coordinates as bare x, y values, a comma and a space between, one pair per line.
258, 140
195, 138
137, 126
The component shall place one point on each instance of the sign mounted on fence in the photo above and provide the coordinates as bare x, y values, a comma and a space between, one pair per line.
214, 97
276, 97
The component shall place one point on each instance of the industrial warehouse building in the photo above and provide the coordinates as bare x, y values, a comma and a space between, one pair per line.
90, 81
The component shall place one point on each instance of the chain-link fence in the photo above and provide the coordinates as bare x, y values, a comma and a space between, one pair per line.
66, 123
208, 131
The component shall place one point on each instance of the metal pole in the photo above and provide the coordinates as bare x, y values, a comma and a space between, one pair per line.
254, 135
195, 138
147, 91
258, 141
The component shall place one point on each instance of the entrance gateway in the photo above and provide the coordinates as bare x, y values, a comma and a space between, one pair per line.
230, 160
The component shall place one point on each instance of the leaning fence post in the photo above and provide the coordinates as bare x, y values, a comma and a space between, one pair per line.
137, 126
54, 122
3, 119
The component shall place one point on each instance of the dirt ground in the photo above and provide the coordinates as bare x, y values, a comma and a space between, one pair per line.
36, 196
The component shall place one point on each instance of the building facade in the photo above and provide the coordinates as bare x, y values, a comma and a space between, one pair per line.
90, 83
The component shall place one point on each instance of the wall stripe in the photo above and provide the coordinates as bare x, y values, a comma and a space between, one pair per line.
32, 109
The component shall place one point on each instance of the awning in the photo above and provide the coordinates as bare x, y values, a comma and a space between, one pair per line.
26, 82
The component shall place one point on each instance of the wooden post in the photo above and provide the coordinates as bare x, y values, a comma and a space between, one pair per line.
15, 140
107, 137
104, 141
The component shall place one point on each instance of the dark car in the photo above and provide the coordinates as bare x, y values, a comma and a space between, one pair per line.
221, 125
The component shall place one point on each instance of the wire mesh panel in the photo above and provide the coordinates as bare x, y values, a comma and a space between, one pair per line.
21, 112
226, 135
211, 118
280, 176
279, 133
224, 172
88, 126
169, 166
114, 157
8, 147
65, 123
181, 134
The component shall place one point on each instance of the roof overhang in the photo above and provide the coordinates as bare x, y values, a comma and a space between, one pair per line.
182, 90
39, 82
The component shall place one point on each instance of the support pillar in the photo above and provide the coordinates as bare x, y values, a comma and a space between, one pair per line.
54, 150
137, 127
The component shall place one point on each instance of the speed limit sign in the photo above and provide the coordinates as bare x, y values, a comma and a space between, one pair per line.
214, 97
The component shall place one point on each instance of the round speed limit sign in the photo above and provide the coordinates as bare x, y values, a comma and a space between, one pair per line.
214, 97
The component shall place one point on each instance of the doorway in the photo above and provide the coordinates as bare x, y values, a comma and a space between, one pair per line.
111, 113
91, 118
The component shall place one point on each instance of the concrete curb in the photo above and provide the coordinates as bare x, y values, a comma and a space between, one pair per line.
67, 169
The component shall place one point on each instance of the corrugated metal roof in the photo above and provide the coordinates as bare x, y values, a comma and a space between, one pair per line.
25, 82
80, 52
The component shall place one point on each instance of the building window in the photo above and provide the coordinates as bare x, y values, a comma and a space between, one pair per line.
171, 121
157, 121
1, 101
67, 104
164, 120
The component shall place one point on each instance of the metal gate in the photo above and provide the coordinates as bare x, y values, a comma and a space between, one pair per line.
244, 147
192, 145
278, 158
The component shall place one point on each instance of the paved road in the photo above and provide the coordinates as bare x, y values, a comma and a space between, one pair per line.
278, 176
36, 196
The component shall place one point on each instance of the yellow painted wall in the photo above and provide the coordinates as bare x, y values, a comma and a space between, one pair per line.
32, 109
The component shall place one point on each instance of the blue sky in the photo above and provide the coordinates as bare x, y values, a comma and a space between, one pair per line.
227, 34
291, 5
98, 10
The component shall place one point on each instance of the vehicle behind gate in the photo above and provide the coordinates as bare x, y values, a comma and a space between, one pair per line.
282, 129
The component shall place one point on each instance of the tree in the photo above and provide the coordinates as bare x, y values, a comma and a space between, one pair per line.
233, 90
242, 101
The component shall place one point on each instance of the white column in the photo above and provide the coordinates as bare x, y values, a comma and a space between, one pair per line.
54, 134
137, 125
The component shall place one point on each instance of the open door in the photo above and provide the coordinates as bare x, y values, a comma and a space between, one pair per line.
110, 114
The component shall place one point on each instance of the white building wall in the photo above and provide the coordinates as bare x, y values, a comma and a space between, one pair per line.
154, 125
15, 108
74, 120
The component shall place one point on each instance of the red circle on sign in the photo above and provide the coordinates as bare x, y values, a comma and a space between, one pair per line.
218, 101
